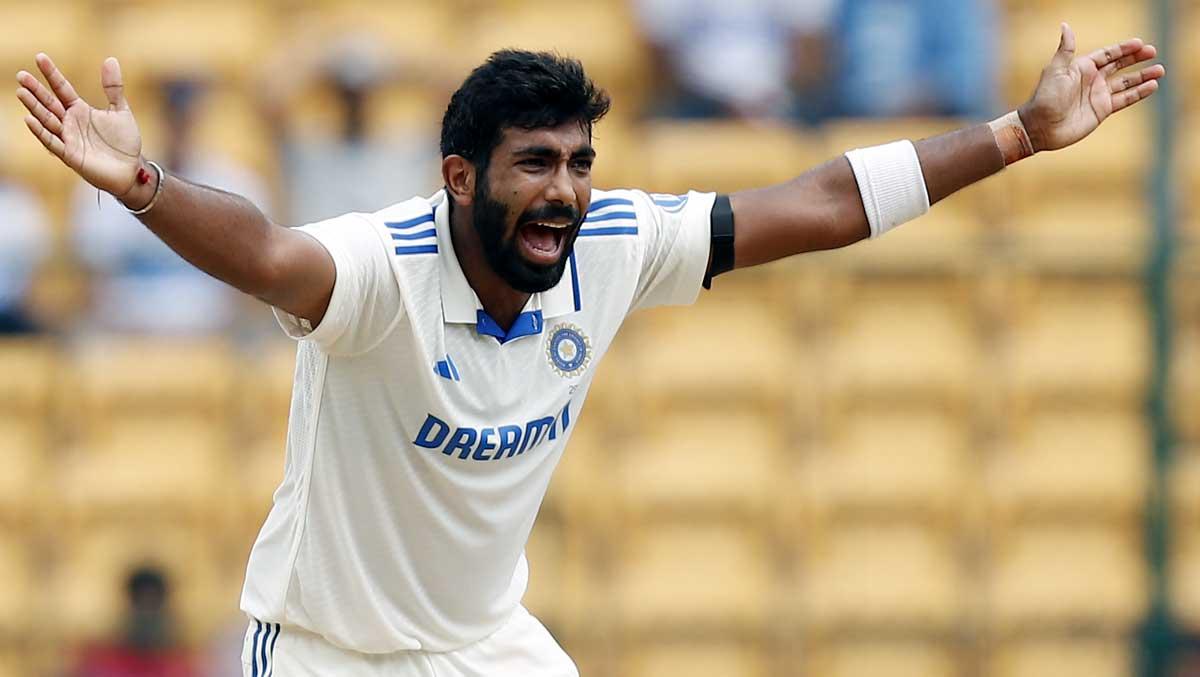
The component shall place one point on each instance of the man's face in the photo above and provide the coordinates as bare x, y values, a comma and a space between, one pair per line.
530, 203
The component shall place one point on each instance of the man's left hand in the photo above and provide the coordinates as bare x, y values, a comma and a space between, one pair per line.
1076, 94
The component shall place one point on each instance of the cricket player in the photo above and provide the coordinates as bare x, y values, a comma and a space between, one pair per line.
446, 343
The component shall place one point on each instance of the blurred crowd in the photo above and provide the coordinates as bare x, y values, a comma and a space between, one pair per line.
795, 62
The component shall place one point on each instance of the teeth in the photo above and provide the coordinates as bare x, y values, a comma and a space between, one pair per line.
556, 226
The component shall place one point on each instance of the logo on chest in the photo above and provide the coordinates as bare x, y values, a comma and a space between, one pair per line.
569, 350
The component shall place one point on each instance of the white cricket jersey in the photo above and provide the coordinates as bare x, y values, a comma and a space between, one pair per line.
422, 436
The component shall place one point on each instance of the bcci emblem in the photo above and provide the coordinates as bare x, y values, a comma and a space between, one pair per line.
569, 350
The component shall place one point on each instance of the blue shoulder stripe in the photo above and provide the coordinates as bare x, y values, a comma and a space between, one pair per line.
614, 230
404, 225
418, 249
611, 216
609, 202
432, 232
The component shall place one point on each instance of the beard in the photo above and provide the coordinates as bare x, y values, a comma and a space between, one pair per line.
502, 253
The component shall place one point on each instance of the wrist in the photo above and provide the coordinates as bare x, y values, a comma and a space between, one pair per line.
147, 188
145, 185
1013, 137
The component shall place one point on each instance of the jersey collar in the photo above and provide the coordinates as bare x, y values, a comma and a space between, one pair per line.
460, 304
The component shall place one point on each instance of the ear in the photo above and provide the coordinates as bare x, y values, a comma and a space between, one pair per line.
458, 173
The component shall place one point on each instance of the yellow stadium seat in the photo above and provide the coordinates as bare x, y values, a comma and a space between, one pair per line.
1086, 463
165, 466
52, 27
85, 596
904, 339
674, 578
887, 460
261, 471
583, 490
22, 455
679, 156
1115, 158
1051, 657
1188, 155
881, 576
173, 375
710, 461
19, 597
719, 351
1032, 36
30, 369
218, 39
1083, 338
869, 658
562, 578
601, 35
14, 664
1184, 577
696, 659
1184, 479
1057, 577
1115, 226
950, 237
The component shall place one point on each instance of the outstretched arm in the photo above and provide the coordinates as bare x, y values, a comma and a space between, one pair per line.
220, 233
824, 208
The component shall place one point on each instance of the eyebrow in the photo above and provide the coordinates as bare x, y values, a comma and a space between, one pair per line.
585, 151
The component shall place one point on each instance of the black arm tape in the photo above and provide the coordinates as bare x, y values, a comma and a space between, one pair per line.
721, 257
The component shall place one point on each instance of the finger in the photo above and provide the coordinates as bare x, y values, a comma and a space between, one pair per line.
114, 86
1107, 55
42, 93
1146, 53
1066, 44
1120, 83
1129, 97
58, 82
44, 116
50, 141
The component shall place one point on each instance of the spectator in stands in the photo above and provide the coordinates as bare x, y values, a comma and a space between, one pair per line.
746, 59
139, 284
914, 58
25, 244
148, 646
352, 168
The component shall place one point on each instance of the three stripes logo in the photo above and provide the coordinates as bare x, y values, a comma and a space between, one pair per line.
447, 370
262, 651
414, 236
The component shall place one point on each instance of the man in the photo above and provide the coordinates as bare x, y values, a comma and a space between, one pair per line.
447, 343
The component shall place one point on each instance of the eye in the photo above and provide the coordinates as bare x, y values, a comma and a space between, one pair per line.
532, 162
583, 165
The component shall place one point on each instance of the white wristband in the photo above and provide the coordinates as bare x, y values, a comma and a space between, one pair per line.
891, 184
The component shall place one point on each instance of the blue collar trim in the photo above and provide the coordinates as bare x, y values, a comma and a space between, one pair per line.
526, 324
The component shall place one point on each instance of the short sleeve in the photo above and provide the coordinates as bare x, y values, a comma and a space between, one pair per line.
675, 234
366, 301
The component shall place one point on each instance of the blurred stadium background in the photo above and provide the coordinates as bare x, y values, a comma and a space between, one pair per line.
967, 449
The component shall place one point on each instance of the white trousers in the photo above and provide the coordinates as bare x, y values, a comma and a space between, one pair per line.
522, 647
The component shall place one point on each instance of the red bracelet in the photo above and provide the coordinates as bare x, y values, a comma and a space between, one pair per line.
143, 176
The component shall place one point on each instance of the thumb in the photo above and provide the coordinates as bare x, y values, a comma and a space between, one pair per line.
114, 86
1066, 45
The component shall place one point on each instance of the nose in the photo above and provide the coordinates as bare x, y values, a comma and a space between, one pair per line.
561, 189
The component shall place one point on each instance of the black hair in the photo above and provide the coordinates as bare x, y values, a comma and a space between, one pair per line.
516, 88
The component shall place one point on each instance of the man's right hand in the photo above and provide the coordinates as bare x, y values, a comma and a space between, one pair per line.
103, 145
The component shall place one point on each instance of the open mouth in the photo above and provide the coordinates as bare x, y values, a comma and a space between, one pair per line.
542, 241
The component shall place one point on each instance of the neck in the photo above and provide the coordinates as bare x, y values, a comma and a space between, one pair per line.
500, 301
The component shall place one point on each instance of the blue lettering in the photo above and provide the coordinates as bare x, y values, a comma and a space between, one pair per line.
462, 440
566, 417
428, 438
485, 436
534, 431
510, 438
